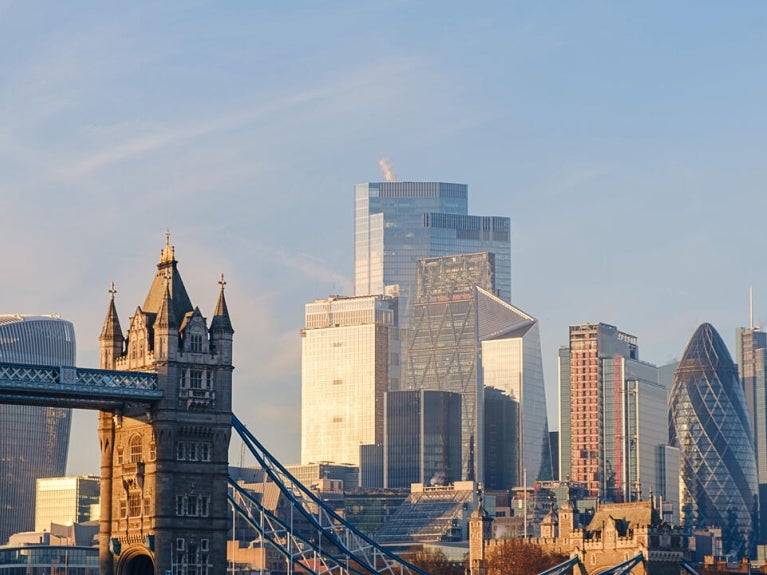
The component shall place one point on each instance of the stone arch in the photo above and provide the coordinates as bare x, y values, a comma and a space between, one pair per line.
137, 560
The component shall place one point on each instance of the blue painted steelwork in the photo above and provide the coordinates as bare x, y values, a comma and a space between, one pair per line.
563, 567
76, 387
625, 567
307, 554
689, 568
355, 547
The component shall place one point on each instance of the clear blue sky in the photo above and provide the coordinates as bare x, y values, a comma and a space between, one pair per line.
626, 141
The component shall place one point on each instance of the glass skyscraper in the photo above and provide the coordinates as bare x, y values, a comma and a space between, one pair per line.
33, 440
751, 354
346, 366
709, 423
423, 438
395, 223
464, 338
66, 500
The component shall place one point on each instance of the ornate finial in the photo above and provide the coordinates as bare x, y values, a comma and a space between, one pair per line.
168, 253
221, 281
112, 291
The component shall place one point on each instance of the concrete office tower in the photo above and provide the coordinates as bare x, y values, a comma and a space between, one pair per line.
751, 355
422, 441
709, 423
33, 440
465, 338
346, 367
612, 408
396, 223
66, 500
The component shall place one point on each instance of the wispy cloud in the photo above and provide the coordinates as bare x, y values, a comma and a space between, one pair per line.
347, 88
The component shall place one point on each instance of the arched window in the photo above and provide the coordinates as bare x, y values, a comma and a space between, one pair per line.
135, 449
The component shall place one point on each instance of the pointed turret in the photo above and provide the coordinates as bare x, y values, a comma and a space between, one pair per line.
480, 532
167, 275
166, 326
111, 340
221, 330
221, 321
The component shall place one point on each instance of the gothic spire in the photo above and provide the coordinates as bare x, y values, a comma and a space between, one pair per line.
111, 330
221, 321
167, 277
166, 318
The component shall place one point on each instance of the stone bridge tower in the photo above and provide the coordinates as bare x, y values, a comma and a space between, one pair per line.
164, 468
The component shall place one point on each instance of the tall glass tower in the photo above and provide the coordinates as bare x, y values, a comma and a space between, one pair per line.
464, 338
395, 223
709, 423
33, 440
346, 369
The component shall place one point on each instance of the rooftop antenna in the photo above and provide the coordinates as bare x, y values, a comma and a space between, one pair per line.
751, 306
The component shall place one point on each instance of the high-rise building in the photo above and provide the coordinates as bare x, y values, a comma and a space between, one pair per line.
396, 223
634, 418
610, 422
422, 441
349, 355
709, 423
501, 428
66, 500
465, 338
33, 440
751, 355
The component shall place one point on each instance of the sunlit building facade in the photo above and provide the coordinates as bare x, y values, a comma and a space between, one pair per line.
610, 426
346, 366
466, 338
396, 223
709, 423
33, 440
66, 500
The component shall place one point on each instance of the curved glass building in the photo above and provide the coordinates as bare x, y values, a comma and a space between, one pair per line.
709, 423
33, 440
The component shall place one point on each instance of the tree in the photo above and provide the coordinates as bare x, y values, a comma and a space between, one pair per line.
435, 562
520, 557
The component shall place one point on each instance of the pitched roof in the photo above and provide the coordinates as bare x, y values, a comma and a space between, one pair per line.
167, 272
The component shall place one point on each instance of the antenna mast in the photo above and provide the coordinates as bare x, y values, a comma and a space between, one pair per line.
751, 306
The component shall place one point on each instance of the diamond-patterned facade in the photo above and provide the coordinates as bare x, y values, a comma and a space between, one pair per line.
709, 423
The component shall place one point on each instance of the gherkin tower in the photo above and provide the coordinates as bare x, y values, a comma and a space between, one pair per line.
709, 423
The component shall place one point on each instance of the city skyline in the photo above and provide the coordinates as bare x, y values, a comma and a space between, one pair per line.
622, 141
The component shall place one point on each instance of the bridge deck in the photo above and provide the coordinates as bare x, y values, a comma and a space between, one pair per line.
75, 387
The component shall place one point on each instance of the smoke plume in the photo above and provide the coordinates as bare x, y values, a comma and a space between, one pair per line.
386, 168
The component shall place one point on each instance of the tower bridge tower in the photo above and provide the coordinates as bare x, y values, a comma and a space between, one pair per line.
164, 468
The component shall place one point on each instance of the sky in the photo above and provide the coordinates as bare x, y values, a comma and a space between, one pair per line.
626, 142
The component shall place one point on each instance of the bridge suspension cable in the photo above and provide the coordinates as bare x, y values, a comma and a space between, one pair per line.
342, 545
